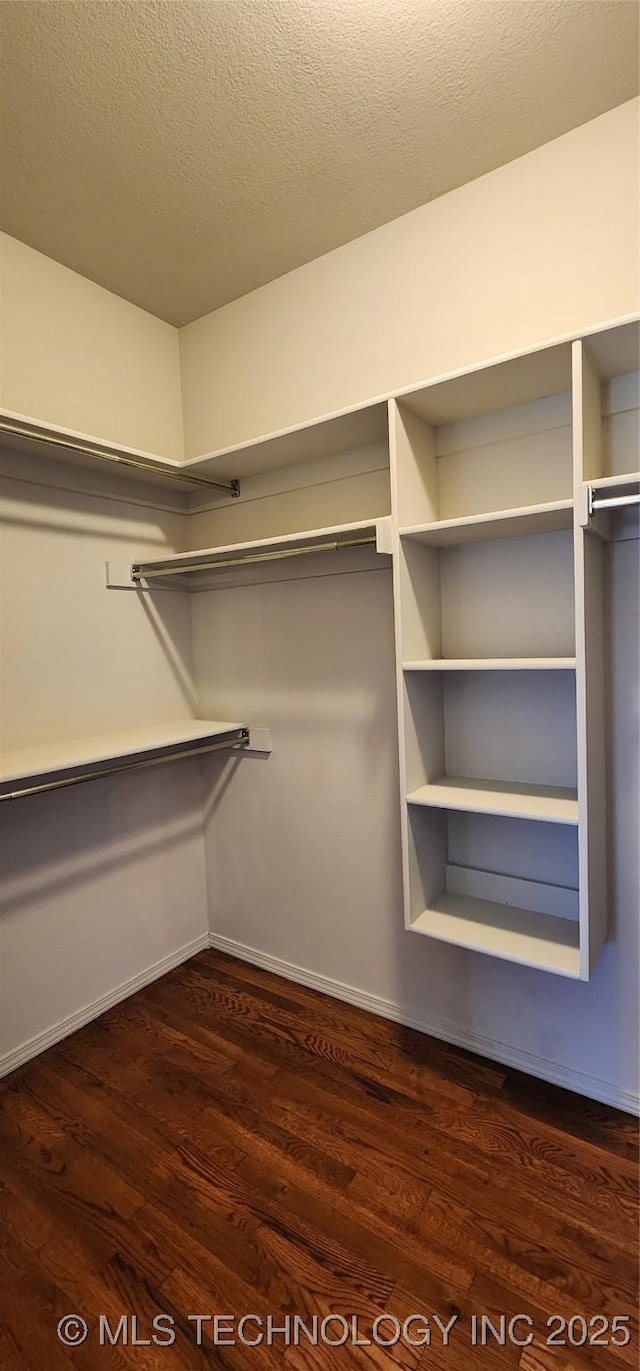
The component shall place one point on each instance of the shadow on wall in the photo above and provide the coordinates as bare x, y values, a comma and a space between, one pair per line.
58, 842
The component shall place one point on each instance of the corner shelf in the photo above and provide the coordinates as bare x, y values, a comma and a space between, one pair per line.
550, 804
506, 523
25, 770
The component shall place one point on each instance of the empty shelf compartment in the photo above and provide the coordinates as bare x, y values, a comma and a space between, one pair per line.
515, 935
31, 767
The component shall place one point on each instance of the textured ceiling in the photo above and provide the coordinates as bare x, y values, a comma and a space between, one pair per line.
183, 153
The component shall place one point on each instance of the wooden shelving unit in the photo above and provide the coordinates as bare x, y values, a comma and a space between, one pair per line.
492, 664
498, 606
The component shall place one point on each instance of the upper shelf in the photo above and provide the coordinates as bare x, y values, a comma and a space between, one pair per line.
28, 768
506, 523
516, 380
549, 804
320, 438
20, 434
338, 537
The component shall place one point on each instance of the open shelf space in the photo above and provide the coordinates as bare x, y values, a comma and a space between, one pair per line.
514, 935
497, 732
473, 528
492, 664
376, 532
504, 885
613, 483
553, 804
31, 766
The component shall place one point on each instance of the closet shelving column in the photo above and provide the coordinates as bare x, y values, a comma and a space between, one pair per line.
606, 396
494, 828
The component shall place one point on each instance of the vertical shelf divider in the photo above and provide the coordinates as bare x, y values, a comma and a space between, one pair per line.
396, 455
590, 682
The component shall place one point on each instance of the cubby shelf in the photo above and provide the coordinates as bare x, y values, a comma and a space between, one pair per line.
506, 523
516, 935
492, 664
551, 804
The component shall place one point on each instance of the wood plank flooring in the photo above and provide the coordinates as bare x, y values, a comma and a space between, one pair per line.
227, 1143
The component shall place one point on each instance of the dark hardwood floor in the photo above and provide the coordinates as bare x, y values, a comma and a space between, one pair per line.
228, 1143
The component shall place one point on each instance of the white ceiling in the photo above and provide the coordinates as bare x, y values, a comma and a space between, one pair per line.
182, 153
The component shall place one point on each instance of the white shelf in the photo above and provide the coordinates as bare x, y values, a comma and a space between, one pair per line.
628, 478
506, 523
323, 438
513, 381
24, 765
516, 935
550, 804
376, 530
493, 664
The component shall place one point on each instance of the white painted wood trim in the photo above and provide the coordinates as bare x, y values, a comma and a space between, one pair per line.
10, 1061
543, 1068
394, 420
590, 685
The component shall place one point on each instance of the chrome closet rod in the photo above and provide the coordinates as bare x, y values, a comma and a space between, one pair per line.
86, 449
610, 501
145, 571
237, 738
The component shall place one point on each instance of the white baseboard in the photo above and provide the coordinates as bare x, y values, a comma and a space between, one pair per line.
10, 1061
590, 1086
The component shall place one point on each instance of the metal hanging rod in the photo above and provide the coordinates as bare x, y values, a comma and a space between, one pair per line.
88, 450
237, 737
597, 502
145, 571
